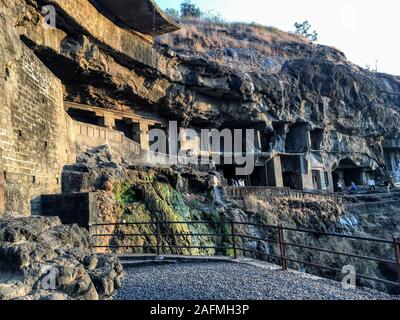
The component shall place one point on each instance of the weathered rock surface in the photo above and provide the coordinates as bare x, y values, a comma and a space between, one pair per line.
279, 80
41, 259
102, 65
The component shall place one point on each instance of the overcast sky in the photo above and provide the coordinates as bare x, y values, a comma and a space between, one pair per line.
365, 30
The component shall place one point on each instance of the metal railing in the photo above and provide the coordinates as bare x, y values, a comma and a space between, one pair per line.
268, 192
234, 243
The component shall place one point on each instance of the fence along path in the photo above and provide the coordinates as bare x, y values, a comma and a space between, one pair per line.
268, 192
233, 245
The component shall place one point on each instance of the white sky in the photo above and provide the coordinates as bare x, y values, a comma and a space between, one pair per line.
365, 30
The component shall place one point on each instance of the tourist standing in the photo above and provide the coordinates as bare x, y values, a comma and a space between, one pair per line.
369, 183
339, 186
373, 184
387, 185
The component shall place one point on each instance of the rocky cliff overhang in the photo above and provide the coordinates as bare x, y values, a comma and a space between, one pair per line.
144, 16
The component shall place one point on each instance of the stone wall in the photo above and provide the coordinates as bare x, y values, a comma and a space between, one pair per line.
95, 136
75, 208
34, 142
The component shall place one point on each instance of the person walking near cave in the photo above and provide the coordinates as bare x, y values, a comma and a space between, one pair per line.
370, 184
373, 185
391, 182
339, 186
353, 187
387, 185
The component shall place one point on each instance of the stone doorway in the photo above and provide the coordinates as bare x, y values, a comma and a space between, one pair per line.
291, 172
316, 178
348, 172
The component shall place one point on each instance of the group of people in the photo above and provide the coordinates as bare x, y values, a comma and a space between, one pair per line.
371, 183
353, 186
237, 182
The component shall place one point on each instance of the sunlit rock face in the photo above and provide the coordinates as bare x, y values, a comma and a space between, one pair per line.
277, 81
297, 82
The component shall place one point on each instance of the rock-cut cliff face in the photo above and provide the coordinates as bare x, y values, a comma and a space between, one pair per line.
250, 72
204, 76
216, 75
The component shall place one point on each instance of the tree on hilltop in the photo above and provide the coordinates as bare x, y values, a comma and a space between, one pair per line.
172, 12
303, 29
189, 9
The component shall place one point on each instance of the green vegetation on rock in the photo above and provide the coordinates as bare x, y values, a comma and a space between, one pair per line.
153, 201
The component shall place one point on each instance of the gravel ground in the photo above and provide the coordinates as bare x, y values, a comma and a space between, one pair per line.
230, 281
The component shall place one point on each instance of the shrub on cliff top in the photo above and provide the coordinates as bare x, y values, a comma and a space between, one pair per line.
189, 9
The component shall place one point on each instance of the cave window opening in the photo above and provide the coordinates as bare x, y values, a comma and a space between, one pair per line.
84, 116
136, 132
267, 140
316, 137
297, 139
125, 126
316, 179
291, 172
164, 150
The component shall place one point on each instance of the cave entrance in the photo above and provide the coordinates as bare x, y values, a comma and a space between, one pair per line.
229, 174
297, 138
316, 179
88, 117
348, 172
267, 141
259, 177
291, 172
316, 139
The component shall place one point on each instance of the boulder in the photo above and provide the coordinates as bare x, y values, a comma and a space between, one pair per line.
41, 259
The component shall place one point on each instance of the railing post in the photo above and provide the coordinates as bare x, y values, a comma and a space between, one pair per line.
282, 247
93, 234
158, 237
234, 240
396, 244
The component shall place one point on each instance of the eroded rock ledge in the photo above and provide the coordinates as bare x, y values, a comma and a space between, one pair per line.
41, 259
